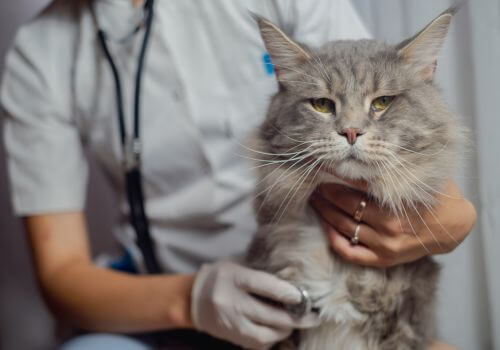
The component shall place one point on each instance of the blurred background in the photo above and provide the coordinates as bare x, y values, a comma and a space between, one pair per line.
468, 72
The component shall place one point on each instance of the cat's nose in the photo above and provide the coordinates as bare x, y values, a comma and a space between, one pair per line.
351, 134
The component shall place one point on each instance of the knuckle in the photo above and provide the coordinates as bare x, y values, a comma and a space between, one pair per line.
238, 280
391, 248
344, 226
217, 301
349, 256
342, 252
393, 227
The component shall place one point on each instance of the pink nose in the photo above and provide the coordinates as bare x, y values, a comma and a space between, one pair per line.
351, 134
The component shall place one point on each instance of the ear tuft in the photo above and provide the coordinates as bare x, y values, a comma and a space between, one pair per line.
423, 49
284, 52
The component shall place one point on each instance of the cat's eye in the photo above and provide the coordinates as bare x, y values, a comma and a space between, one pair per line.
381, 103
323, 105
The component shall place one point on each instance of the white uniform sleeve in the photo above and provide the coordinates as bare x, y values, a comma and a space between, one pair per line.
316, 22
47, 168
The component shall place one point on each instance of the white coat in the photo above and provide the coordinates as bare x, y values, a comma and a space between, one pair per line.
205, 86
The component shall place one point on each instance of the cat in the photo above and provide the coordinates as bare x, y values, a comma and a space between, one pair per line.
363, 110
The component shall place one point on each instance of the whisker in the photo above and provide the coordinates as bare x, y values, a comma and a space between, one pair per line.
410, 224
278, 154
412, 151
286, 153
288, 136
296, 155
284, 161
268, 161
418, 213
387, 190
415, 233
396, 206
272, 172
426, 226
312, 181
431, 210
303, 174
288, 173
298, 184
409, 181
417, 179
295, 186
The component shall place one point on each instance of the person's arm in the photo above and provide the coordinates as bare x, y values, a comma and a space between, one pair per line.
100, 299
94, 298
441, 346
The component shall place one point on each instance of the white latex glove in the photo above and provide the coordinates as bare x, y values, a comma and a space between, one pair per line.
221, 305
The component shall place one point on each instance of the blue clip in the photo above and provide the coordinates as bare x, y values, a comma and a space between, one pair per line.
268, 63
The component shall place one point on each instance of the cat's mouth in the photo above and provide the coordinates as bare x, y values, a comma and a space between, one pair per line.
352, 160
353, 157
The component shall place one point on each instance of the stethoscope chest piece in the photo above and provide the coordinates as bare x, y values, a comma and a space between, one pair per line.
305, 305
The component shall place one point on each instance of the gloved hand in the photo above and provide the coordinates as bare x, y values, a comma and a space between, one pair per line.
222, 305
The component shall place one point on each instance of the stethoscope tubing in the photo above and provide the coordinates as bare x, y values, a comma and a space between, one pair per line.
131, 144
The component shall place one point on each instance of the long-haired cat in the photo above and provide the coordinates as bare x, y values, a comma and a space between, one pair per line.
363, 110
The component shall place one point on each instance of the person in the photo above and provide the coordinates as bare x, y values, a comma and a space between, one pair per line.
205, 86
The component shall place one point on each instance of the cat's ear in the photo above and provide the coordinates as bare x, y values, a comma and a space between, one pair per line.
285, 53
422, 50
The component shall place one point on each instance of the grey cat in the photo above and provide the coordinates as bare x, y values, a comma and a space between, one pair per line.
362, 110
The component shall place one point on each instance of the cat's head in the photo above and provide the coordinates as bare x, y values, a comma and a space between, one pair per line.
363, 109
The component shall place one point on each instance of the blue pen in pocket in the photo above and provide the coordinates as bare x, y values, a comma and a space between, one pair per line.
268, 63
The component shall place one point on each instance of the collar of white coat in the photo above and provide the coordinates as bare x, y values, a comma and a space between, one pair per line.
119, 19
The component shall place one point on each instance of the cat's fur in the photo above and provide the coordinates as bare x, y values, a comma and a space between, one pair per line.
405, 155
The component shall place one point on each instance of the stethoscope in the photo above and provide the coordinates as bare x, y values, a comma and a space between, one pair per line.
131, 144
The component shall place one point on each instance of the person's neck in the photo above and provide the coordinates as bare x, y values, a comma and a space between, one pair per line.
138, 3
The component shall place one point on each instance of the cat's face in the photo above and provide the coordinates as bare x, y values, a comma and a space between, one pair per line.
361, 103
361, 108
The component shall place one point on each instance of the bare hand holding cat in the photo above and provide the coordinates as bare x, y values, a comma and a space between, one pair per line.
387, 239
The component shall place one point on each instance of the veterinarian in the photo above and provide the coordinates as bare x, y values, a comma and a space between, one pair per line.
161, 95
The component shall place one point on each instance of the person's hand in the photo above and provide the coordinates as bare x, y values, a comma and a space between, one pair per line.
223, 304
386, 239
